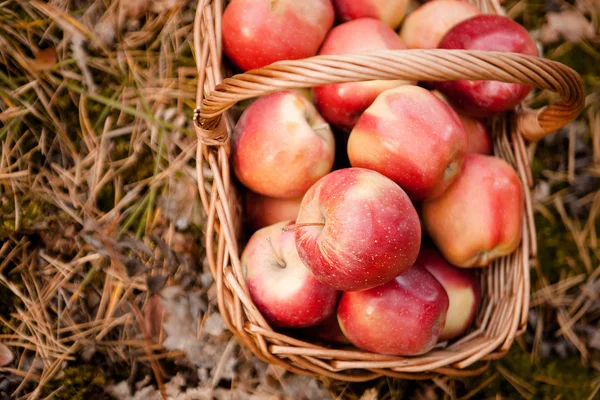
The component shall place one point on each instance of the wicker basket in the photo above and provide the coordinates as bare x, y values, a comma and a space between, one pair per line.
505, 284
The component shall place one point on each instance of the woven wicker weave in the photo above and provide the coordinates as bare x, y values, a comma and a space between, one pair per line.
505, 284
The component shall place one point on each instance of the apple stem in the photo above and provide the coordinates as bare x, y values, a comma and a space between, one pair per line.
279, 260
295, 226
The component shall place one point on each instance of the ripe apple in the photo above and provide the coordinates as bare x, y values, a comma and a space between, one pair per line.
479, 139
357, 229
462, 287
390, 12
494, 33
479, 217
282, 288
427, 25
259, 32
328, 331
261, 211
341, 104
403, 317
281, 145
413, 138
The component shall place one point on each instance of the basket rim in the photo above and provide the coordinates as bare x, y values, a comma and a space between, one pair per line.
411, 65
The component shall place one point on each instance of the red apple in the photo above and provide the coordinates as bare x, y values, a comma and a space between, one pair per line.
357, 229
281, 146
479, 138
462, 287
403, 317
390, 12
427, 25
282, 288
341, 104
413, 138
328, 331
493, 33
261, 211
260, 32
478, 218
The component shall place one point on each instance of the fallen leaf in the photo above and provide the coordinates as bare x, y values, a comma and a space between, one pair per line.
569, 25
594, 341
370, 394
45, 59
541, 191
181, 316
181, 205
307, 387
156, 282
119, 391
153, 316
6, 356
214, 325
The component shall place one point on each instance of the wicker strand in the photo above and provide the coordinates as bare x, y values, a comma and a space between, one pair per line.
411, 65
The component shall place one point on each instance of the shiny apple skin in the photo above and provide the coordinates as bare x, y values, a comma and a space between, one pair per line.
462, 287
479, 218
282, 288
426, 26
281, 146
481, 99
412, 137
365, 230
260, 32
390, 12
341, 104
403, 317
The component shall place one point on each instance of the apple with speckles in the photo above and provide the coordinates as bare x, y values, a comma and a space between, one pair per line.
403, 317
261, 211
413, 138
479, 138
482, 99
427, 25
357, 229
390, 12
259, 32
462, 287
281, 146
479, 218
282, 288
341, 104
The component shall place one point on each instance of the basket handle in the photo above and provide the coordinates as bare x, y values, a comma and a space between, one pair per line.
411, 65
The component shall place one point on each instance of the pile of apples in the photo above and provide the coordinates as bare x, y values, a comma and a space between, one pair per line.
371, 202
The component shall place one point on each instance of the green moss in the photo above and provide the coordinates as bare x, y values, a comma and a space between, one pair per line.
78, 383
555, 248
581, 58
532, 16
548, 378
29, 213
537, 166
34, 214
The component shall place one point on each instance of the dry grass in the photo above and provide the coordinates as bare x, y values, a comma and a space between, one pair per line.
101, 224
97, 176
